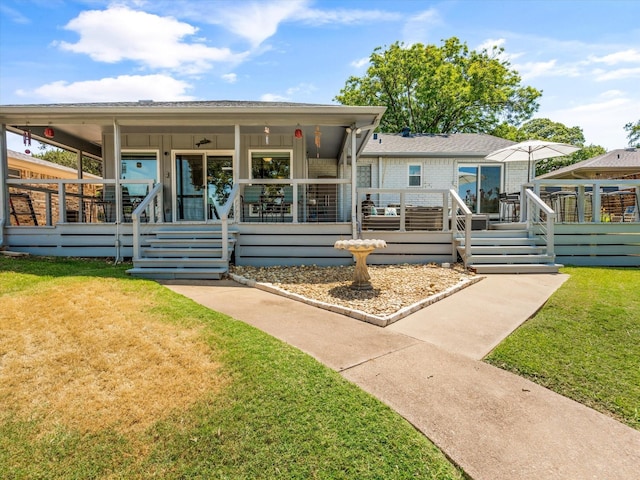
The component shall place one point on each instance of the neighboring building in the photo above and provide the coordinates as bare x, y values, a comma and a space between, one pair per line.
440, 161
622, 163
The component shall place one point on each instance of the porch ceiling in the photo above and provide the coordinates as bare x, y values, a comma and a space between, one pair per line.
83, 124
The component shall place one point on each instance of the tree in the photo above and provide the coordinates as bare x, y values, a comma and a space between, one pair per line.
68, 159
634, 133
445, 89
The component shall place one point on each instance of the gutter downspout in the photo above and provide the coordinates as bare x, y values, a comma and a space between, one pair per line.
4, 163
118, 195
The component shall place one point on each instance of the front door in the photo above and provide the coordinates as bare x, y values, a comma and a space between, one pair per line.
203, 183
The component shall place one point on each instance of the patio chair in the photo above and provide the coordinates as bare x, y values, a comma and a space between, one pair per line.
250, 197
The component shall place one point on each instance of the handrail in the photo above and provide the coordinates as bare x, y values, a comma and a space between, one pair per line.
155, 193
223, 212
457, 202
534, 219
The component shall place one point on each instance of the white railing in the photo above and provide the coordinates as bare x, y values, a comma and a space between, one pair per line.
304, 199
224, 213
151, 210
590, 201
462, 223
78, 200
403, 209
540, 220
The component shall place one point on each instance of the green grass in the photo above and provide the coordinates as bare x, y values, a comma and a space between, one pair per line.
584, 343
281, 414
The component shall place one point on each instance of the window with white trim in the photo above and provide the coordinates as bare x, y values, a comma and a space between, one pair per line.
415, 175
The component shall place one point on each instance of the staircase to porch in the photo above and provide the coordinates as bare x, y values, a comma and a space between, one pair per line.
187, 252
507, 248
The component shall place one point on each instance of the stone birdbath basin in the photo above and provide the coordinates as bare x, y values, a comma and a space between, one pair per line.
360, 249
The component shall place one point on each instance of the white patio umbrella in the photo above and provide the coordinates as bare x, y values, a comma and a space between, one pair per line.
532, 151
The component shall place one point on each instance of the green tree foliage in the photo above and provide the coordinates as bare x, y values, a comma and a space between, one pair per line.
445, 89
68, 159
633, 134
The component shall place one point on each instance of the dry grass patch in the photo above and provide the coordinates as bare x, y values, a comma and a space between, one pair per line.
87, 355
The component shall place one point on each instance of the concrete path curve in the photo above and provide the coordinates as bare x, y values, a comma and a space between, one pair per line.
493, 424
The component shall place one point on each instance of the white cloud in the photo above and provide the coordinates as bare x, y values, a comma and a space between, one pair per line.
601, 120
122, 88
531, 70
302, 89
618, 74
256, 21
295, 93
230, 77
626, 56
363, 62
119, 33
417, 28
273, 97
14, 15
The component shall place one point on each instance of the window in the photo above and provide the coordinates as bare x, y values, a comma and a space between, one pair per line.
363, 174
139, 166
270, 164
415, 175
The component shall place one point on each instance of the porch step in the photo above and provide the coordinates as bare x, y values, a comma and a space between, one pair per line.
512, 249
506, 250
508, 259
520, 268
159, 273
183, 252
180, 262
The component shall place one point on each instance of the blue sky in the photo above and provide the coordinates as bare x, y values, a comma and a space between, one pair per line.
584, 55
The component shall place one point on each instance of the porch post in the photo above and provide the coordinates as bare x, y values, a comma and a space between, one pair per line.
354, 183
237, 206
4, 167
118, 169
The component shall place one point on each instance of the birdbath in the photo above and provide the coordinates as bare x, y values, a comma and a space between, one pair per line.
360, 249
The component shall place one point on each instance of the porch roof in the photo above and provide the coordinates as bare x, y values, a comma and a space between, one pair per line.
81, 125
614, 163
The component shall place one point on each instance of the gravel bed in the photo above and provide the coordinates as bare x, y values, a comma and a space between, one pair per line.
394, 286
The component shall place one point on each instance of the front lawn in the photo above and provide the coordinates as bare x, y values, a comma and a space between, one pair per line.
106, 376
585, 342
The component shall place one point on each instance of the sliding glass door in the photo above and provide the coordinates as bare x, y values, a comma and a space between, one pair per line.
202, 185
479, 186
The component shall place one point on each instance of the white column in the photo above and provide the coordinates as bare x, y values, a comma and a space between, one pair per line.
4, 167
354, 184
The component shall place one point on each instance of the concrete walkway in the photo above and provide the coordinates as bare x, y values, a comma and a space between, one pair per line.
493, 424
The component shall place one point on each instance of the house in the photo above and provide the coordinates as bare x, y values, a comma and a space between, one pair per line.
31, 209
621, 163
188, 187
